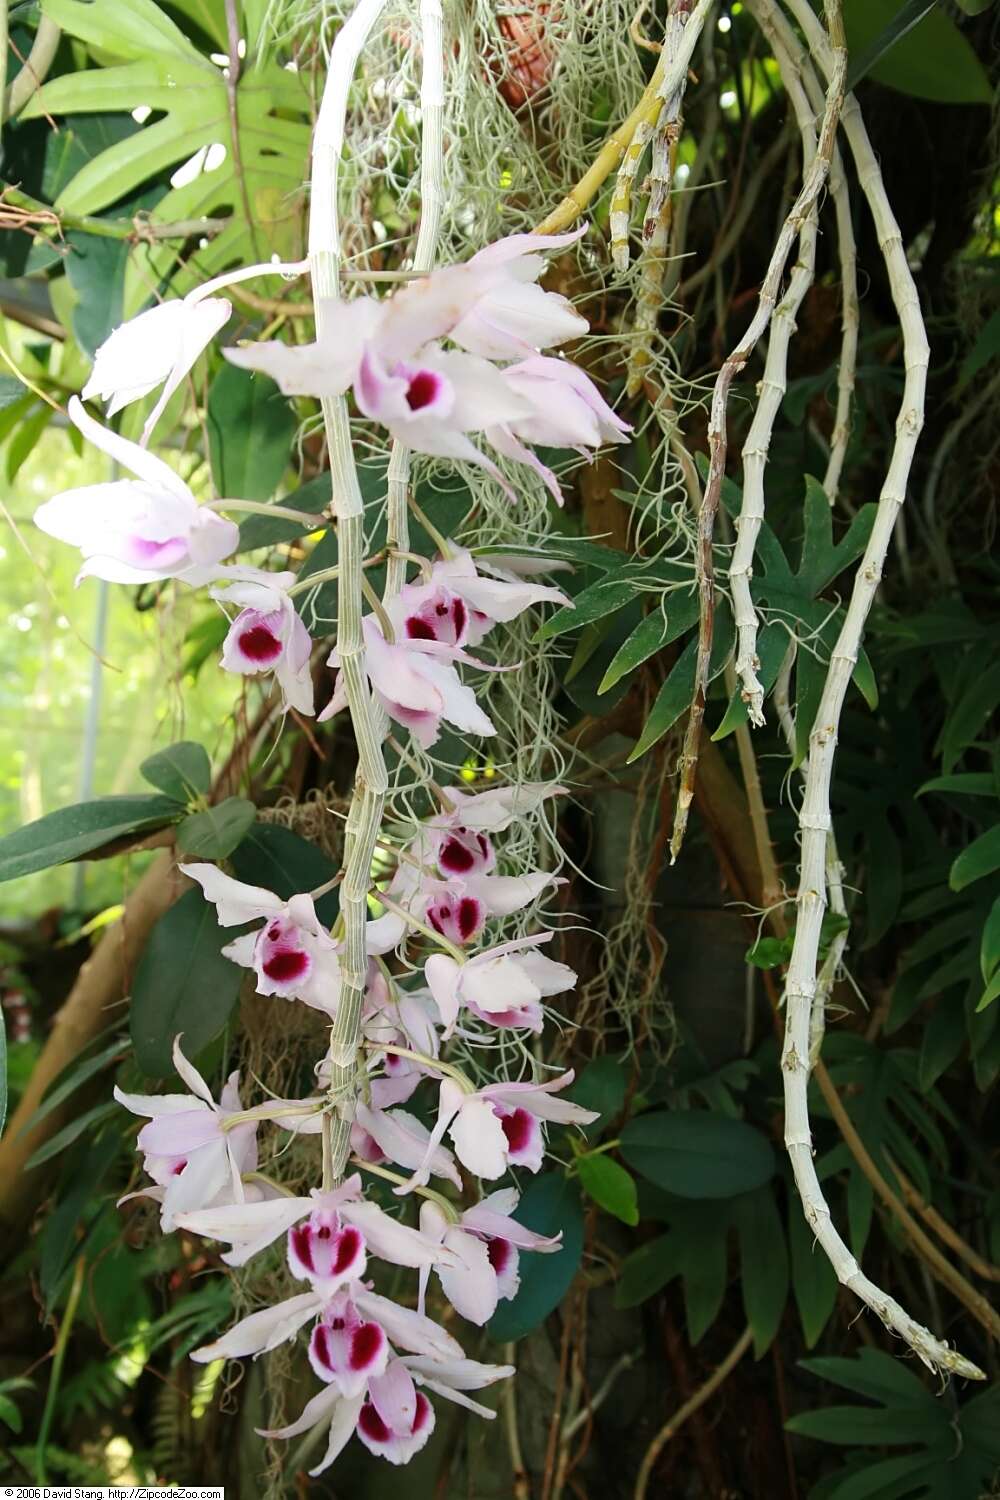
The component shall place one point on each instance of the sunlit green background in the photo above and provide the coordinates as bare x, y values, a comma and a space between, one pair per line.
49, 630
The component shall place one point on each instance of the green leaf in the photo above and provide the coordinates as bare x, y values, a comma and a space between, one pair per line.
9, 1414
908, 15
770, 952
701, 1234
592, 603
312, 497
674, 697
11, 391
183, 985
814, 1281
551, 1203
601, 1086
697, 1154
933, 60
610, 1186
647, 1270
96, 269
942, 1040
215, 833
251, 427
134, 30
981, 858
70, 1133
75, 831
763, 1265
78, 1204
989, 994
851, 1425
649, 636
183, 771
969, 714
962, 783
285, 863
985, 349
25, 436
73, 1078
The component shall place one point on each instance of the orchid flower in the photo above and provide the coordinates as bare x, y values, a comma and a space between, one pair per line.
515, 315
499, 1126
393, 1420
458, 907
159, 346
485, 1243
136, 530
497, 597
292, 955
251, 1227
486, 812
194, 1161
432, 398
406, 1018
503, 986
400, 1137
268, 635
416, 683
566, 411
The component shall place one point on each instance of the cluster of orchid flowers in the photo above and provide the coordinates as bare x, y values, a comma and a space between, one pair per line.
377, 1360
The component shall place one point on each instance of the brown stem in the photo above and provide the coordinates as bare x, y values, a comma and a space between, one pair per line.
943, 1229
102, 983
681, 1415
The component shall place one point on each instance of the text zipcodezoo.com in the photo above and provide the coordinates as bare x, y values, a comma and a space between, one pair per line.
109, 1492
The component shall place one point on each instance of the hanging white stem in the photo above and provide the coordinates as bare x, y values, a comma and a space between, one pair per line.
424, 256
814, 816
772, 392
365, 813
847, 254
834, 871
812, 184
659, 211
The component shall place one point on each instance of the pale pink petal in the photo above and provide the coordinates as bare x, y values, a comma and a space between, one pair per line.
471, 1284
248, 1227
480, 1143
235, 902
443, 975
263, 1330
396, 1445
393, 1395
139, 461
406, 1328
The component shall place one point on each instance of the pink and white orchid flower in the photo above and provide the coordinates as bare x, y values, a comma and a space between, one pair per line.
490, 593
432, 398
136, 530
394, 1419
194, 1161
250, 1227
416, 683
516, 315
399, 1137
503, 986
499, 1126
268, 635
485, 1243
458, 907
292, 955
566, 411
487, 812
